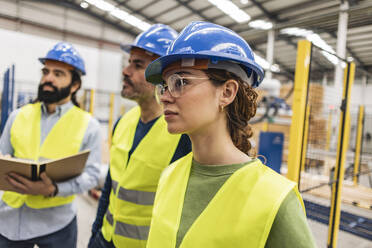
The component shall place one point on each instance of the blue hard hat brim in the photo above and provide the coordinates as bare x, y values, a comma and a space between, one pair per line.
42, 60
155, 69
127, 47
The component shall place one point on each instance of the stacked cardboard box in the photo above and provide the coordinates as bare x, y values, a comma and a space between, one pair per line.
316, 94
317, 134
284, 91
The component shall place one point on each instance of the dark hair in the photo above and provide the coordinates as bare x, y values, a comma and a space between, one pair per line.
240, 111
75, 79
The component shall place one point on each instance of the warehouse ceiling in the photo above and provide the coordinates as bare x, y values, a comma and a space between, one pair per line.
292, 20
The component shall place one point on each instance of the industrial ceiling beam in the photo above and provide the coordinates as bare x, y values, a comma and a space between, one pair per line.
275, 19
51, 28
195, 11
268, 14
140, 10
177, 19
72, 5
124, 4
168, 10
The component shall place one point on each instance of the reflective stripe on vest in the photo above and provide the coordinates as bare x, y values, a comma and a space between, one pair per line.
134, 196
134, 182
114, 185
239, 215
64, 139
127, 230
109, 217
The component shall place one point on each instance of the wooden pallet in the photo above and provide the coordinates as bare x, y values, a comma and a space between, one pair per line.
356, 195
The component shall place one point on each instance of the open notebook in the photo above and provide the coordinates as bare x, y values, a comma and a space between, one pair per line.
58, 170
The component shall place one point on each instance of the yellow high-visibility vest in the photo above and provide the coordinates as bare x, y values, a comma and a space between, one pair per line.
240, 214
63, 140
134, 182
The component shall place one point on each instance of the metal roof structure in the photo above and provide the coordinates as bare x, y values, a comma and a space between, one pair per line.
317, 17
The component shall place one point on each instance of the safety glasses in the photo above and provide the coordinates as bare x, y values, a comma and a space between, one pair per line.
175, 84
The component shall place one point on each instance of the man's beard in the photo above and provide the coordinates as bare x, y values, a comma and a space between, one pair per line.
54, 96
131, 84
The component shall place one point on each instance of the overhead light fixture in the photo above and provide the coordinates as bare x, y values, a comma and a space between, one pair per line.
275, 68
315, 39
260, 24
244, 1
134, 21
231, 10
265, 64
84, 5
120, 14
103, 5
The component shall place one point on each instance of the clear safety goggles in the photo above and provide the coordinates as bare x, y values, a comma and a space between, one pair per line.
175, 84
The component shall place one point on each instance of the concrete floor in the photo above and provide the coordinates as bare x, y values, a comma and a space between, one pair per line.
87, 211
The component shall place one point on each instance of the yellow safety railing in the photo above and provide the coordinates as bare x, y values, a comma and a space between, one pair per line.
329, 130
300, 94
91, 103
358, 144
111, 116
305, 136
343, 142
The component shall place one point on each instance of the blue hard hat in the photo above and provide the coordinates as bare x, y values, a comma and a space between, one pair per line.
66, 53
204, 40
155, 40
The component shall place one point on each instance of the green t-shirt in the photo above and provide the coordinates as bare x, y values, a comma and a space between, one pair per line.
290, 228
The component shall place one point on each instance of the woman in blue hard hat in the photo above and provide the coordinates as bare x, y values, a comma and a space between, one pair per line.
218, 195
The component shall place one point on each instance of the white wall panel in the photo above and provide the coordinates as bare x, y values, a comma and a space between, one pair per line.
103, 67
22, 50
109, 73
116, 36
92, 28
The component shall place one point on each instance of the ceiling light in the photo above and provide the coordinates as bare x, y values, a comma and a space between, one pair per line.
244, 1
275, 68
84, 5
103, 5
315, 39
265, 64
134, 21
231, 10
260, 24
120, 14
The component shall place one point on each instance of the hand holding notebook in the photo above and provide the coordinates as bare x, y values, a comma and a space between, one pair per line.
58, 170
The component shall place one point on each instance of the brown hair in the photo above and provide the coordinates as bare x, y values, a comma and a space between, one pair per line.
240, 111
75, 79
